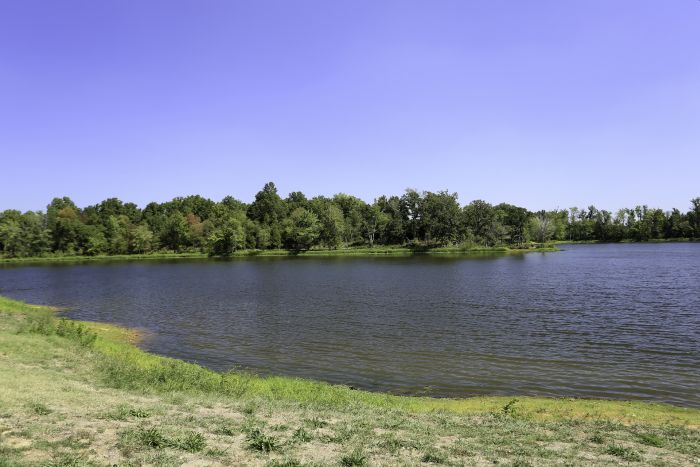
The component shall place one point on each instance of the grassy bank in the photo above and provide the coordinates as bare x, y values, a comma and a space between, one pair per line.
81, 393
358, 252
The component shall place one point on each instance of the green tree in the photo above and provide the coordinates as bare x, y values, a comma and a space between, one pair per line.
174, 233
482, 220
301, 229
141, 239
11, 241
36, 237
541, 227
296, 199
331, 221
374, 222
226, 238
268, 207
117, 234
695, 215
395, 229
95, 241
411, 208
352, 217
514, 220
441, 217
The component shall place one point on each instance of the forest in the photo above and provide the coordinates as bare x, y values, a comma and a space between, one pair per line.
296, 223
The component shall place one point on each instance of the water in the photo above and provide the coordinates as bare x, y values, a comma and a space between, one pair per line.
608, 321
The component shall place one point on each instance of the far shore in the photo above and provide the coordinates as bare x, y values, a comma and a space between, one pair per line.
356, 252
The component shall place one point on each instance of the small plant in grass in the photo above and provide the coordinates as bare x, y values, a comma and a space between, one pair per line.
316, 422
152, 438
259, 441
66, 460
139, 413
597, 439
216, 452
302, 436
651, 439
192, 442
433, 457
509, 408
622, 452
355, 459
520, 463
226, 430
39, 408
285, 463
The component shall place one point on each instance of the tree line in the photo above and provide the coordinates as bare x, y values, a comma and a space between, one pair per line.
414, 219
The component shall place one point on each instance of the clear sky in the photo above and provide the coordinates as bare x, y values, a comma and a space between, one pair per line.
542, 103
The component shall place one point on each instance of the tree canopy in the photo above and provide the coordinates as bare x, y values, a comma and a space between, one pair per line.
195, 223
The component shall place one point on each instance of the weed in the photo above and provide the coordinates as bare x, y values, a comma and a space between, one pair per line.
258, 441
316, 422
433, 457
622, 452
39, 408
597, 439
355, 459
69, 460
509, 408
216, 452
302, 436
192, 442
226, 431
285, 463
392, 444
152, 438
139, 413
651, 440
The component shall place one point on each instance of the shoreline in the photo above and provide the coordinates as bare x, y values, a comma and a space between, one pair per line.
625, 241
345, 252
83, 393
114, 338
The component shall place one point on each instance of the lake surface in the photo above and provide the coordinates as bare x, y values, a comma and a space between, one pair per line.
609, 321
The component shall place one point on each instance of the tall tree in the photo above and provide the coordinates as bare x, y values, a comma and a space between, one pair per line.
301, 229
441, 217
268, 207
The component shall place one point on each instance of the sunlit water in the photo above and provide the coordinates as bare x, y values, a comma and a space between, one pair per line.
610, 321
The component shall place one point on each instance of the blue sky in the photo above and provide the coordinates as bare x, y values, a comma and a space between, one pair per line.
543, 103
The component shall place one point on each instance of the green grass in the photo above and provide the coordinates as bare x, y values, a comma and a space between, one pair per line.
83, 393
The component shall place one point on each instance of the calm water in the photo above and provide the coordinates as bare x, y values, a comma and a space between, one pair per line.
612, 321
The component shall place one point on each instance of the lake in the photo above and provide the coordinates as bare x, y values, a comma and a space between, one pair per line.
615, 321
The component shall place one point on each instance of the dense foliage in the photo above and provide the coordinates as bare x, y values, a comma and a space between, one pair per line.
296, 223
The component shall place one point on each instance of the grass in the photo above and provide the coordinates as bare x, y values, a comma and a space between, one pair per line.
75, 393
392, 250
